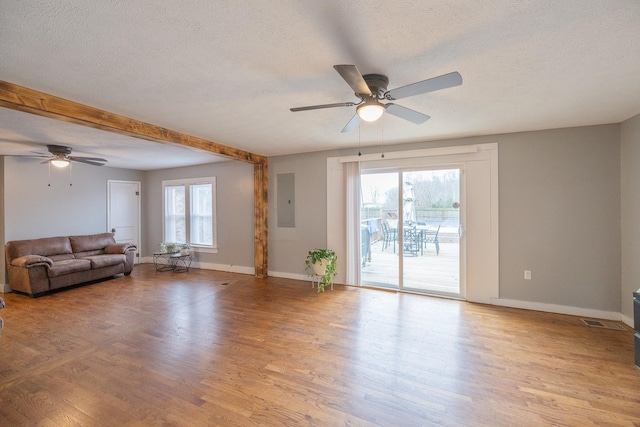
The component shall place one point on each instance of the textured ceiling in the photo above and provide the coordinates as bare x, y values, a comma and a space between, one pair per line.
229, 71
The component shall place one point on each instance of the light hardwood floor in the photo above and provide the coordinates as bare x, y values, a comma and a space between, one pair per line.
184, 349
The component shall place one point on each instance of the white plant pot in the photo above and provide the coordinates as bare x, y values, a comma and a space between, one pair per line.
184, 252
320, 267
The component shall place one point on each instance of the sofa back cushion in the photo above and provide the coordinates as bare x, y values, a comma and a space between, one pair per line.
92, 244
56, 248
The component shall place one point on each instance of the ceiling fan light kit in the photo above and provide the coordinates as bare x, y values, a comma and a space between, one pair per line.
370, 111
371, 88
60, 163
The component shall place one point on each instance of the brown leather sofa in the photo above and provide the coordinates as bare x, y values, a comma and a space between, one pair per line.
38, 266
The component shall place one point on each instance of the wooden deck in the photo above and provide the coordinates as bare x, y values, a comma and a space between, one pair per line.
206, 348
425, 272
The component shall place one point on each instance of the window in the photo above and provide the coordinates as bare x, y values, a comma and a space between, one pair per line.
189, 212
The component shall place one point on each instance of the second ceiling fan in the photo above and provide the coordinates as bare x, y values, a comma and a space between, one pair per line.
60, 156
372, 88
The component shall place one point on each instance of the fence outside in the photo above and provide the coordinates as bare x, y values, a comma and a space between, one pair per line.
428, 215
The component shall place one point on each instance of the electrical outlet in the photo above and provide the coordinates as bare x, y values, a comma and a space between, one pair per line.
527, 275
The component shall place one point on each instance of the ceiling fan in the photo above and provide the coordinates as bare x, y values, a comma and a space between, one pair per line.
372, 88
60, 156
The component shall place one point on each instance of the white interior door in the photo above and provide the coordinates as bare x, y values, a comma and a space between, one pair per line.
123, 216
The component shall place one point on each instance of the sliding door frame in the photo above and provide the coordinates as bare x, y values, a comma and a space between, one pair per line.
481, 168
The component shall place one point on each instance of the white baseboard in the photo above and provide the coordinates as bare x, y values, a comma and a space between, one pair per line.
560, 309
224, 267
5, 288
292, 276
295, 276
211, 266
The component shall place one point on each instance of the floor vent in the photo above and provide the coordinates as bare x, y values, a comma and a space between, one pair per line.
603, 324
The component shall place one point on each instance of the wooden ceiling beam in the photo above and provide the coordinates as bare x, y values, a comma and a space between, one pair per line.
42, 104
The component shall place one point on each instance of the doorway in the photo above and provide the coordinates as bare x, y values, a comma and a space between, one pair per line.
123, 212
411, 230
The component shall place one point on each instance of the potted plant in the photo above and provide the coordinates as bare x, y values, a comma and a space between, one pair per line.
169, 247
185, 249
322, 264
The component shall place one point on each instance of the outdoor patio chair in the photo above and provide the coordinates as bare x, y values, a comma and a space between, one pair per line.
389, 236
430, 235
412, 241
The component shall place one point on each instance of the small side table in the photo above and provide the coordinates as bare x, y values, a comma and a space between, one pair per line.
177, 262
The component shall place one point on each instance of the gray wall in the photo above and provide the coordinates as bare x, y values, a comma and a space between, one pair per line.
560, 210
31, 208
559, 213
560, 216
630, 178
234, 185
288, 247
34, 209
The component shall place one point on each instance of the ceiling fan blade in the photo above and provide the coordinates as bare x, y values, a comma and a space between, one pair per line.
430, 85
93, 159
353, 123
317, 107
84, 160
406, 113
32, 156
352, 76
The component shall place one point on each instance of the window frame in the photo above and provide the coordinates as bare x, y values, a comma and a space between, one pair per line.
187, 183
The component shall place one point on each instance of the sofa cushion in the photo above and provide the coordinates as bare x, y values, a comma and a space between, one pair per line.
67, 266
61, 257
87, 254
48, 246
92, 242
99, 261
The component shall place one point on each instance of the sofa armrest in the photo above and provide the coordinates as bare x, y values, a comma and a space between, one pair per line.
28, 261
119, 248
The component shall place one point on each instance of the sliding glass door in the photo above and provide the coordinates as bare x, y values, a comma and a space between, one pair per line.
411, 230
379, 226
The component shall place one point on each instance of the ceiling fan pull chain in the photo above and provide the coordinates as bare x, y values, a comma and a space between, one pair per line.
382, 137
49, 165
70, 177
